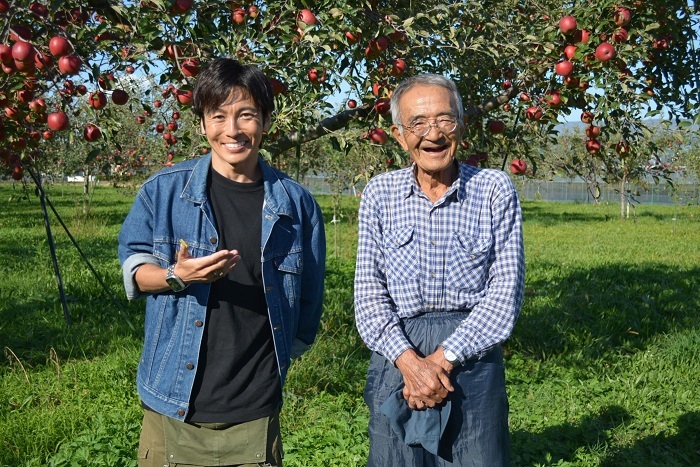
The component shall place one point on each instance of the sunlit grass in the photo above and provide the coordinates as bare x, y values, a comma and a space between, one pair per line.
602, 368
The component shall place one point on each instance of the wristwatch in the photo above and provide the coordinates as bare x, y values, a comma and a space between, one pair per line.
173, 281
451, 358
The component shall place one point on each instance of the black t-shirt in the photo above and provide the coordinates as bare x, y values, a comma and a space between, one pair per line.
237, 379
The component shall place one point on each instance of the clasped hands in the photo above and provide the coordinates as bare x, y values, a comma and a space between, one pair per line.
426, 379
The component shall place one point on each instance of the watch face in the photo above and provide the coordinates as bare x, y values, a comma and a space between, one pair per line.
174, 284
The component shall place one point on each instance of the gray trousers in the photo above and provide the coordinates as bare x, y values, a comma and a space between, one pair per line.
477, 429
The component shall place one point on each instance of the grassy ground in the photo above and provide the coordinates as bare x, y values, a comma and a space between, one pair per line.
602, 368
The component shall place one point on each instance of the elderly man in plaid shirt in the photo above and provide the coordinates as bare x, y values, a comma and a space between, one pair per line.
438, 287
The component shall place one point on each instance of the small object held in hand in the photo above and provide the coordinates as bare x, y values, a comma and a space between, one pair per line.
218, 273
183, 243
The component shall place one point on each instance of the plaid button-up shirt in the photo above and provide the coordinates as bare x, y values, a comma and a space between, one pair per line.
464, 252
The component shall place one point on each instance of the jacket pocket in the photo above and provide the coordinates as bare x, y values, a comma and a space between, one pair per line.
288, 269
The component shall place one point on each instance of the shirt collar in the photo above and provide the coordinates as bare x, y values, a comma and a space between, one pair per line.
408, 185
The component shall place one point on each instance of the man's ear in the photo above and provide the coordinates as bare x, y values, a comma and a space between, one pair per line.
396, 133
267, 121
202, 128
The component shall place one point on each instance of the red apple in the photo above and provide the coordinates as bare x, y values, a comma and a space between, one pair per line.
524, 97
238, 15
620, 35
518, 167
570, 51
398, 66
172, 125
25, 95
553, 98
97, 100
130, 69
69, 64
352, 103
581, 36
622, 148
587, 117
378, 136
47, 135
120, 97
59, 46
564, 68
184, 97
622, 16
5, 54
352, 37
253, 11
190, 67
592, 131
567, 25
533, 113
306, 18
12, 112
317, 76
382, 106
496, 126
278, 87
38, 10
43, 61
176, 115
4, 6
181, 6
38, 105
57, 121
141, 119
382, 43
20, 33
605, 52
91, 132
593, 146
23, 51
160, 128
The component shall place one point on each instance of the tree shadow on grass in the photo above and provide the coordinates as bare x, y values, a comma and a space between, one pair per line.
609, 309
34, 329
562, 441
682, 448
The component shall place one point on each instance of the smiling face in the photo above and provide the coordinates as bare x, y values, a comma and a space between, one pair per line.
234, 132
435, 152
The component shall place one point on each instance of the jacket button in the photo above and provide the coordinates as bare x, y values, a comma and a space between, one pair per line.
189, 366
199, 323
213, 240
181, 412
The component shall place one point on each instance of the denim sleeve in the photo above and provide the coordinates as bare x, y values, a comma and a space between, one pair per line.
136, 243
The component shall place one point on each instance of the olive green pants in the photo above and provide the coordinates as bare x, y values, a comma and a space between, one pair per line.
166, 442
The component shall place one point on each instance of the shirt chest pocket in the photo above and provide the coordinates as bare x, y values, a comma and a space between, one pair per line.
468, 262
401, 255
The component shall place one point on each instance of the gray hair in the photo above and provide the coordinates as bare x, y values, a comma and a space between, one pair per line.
426, 79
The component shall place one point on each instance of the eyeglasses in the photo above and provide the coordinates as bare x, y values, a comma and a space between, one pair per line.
421, 127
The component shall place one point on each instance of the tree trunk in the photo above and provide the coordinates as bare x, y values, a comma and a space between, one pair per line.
622, 197
86, 190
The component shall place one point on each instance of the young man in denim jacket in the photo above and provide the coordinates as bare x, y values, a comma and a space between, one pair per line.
230, 256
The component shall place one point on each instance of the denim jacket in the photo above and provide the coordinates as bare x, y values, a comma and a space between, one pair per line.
173, 205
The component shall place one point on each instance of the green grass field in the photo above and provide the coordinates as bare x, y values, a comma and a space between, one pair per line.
602, 368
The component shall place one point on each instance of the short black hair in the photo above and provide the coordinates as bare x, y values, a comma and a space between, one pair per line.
220, 76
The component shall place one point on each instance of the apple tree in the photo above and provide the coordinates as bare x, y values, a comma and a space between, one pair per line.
521, 66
